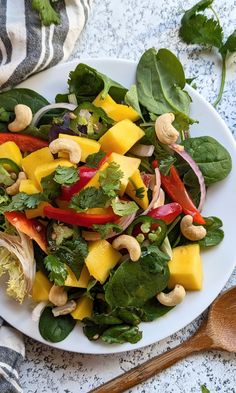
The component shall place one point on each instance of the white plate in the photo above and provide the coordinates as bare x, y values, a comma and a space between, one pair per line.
218, 262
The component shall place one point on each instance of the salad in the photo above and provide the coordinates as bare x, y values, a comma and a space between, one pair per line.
101, 198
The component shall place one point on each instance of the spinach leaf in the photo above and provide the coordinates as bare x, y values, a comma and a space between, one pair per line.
55, 329
212, 158
132, 284
9, 99
131, 99
214, 232
152, 310
121, 333
160, 83
86, 83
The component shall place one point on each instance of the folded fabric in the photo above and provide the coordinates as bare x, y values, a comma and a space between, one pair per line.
27, 46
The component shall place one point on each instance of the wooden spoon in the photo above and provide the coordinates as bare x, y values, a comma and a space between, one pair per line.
217, 332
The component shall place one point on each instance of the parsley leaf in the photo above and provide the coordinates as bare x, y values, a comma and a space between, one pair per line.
46, 12
110, 179
22, 201
58, 270
88, 198
93, 160
66, 175
51, 189
104, 229
124, 208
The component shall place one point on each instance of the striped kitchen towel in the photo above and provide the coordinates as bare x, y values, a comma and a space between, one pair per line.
12, 352
27, 46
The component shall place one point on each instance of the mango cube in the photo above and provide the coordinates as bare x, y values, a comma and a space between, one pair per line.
115, 111
88, 146
136, 182
84, 308
128, 165
186, 267
11, 150
29, 187
101, 259
38, 157
41, 287
82, 282
46, 169
121, 137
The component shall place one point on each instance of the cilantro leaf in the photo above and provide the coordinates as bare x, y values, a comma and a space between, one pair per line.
124, 208
51, 189
46, 12
104, 229
140, 192
204, 389
230, 45
200, 6
88, 198
58, 270
165, 164
110, 179
66, 175
22, 201
93, 160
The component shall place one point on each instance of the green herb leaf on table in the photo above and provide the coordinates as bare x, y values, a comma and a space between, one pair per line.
66, 175
58, 271
89, 198
124, 208
105, 229
55, 329
110, 180
93, 160
46, 12
204, 389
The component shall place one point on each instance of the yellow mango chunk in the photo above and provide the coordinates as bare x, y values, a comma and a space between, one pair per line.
94, 182
115, 111
101, 259
38, 157
46, 169
29, 187
186, 267
38, 211
41, 287
88, 146
121, 137
72, 281
11, 150
84, 308
136, 182
128, 165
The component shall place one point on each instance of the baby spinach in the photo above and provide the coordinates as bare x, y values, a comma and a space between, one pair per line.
131, 99
121, 333
132, 284
9, 99
152, 310
55, 329
160, 83
212, 158
214, 232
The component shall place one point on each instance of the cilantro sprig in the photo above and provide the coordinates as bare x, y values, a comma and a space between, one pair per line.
57, 269
110, 179
66, 175
46, 12
197, 28
88, 198
104, 229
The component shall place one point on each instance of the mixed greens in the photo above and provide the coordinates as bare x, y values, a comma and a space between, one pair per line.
101, 197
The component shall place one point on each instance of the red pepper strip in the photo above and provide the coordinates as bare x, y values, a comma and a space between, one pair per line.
69, 216
167, 213
30, 227
176, 190
26, 143
85, 173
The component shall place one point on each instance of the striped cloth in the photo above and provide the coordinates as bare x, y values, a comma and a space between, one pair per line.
26, 46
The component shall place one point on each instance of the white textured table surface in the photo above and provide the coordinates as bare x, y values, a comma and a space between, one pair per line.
125, 28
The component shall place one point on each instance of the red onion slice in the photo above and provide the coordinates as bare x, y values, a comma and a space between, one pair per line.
193, 165
156, 192
45, 109
142, 150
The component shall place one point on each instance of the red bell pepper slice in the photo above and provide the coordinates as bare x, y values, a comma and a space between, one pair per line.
26, 143
85, 173
30, 227
167, 213
69, 216
176, 190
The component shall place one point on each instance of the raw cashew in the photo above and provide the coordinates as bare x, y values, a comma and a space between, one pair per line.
68, 146
190, 231
58, 296
14, 188
130, 243
23, 118
172, 298
64, 310
165, 132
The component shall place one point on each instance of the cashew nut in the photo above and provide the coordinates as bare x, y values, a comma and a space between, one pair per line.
190, 231
130, 243
165, 132
58, 296
64, 310
67, 145
172, 298
23, 118
14, 188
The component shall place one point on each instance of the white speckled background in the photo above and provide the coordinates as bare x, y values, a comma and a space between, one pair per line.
125, 28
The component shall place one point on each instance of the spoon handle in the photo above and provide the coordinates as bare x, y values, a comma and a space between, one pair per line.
142, 372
